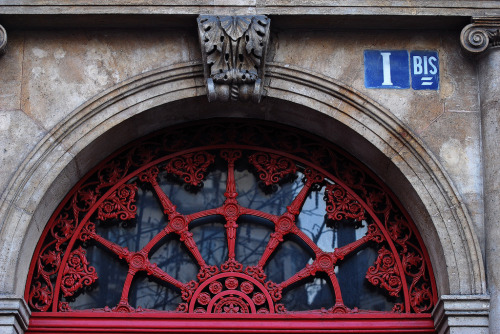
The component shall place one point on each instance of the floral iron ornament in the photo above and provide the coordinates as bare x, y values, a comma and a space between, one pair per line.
234, 51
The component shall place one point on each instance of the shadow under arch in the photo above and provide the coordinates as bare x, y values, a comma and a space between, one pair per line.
312, 102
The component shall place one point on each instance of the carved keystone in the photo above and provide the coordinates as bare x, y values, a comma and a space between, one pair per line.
234, 52
481, 34
3, 40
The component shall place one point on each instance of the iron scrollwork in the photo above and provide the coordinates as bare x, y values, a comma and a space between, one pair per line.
234, 52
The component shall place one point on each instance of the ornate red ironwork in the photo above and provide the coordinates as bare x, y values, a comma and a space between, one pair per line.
341, 204
272, 167
191, 167
60, 268
77, 273
119, 204
233, 291
385, 273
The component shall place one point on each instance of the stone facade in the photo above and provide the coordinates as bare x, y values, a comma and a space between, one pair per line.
75, 87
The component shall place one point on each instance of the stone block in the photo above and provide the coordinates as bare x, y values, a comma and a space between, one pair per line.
14, 315
460, 314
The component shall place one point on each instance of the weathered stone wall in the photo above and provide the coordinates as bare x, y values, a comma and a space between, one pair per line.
46, 75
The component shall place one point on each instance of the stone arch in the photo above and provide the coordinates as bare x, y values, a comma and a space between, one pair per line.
151, 101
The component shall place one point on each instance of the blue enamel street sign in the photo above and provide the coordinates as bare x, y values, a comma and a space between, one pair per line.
387, 69
424, 70
394, 68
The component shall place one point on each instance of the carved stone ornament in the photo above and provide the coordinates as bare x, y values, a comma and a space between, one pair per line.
3, 40
234, 52
481, 34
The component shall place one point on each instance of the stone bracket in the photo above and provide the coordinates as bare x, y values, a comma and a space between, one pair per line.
14, 315
3, 40
234, 53
462, 314
481, 34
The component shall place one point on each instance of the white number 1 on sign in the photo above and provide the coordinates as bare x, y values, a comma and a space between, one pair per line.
386, 68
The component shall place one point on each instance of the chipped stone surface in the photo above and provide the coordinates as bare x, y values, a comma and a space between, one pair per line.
489, 83
63, 70
11, 73
19, 134
454, 139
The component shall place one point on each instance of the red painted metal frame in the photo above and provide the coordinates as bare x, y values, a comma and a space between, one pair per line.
347, 198
80, 323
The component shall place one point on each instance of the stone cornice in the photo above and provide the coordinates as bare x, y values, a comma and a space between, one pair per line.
256, 7
3, 40
482, 34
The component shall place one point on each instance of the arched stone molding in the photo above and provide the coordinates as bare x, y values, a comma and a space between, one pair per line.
339, 113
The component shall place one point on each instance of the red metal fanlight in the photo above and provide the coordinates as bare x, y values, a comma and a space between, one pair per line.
231, 292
